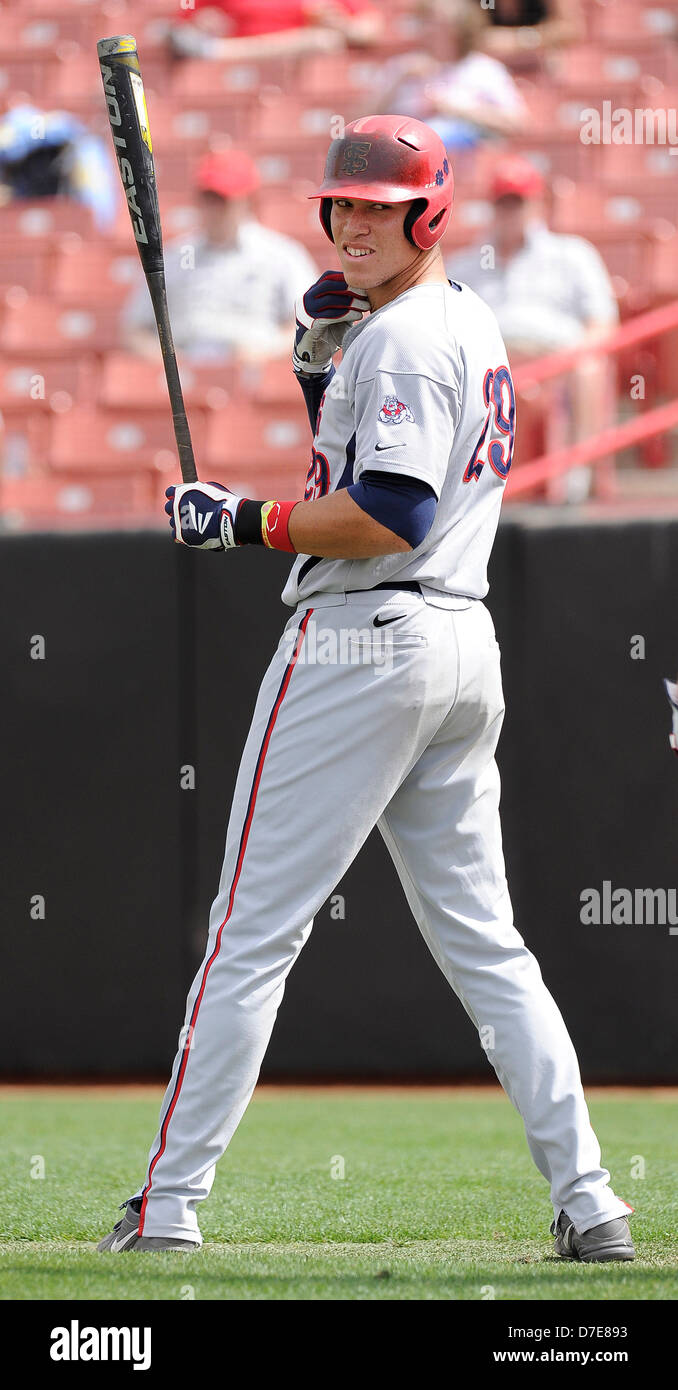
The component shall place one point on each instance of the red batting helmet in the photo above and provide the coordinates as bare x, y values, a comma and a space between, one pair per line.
392, 159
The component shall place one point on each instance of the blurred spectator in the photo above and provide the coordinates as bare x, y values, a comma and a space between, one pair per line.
51, 154
548, 291
465, 100
231, 288
237, 29
516, 30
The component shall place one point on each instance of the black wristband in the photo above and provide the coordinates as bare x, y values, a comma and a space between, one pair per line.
248, 523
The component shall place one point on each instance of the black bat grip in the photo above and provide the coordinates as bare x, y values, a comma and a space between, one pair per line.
182, 433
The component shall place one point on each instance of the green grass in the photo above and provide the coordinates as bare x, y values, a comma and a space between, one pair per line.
439, 1199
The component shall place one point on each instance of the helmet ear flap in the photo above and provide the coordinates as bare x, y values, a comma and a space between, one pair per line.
419, 205
326, 215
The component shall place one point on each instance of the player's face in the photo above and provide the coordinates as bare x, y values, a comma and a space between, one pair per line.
370, 241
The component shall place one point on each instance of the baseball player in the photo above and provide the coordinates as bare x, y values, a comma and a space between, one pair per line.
383, 702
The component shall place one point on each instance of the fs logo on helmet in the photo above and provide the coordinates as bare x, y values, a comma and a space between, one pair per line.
355, 156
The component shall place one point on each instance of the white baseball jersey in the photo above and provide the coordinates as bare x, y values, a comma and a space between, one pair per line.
423, 389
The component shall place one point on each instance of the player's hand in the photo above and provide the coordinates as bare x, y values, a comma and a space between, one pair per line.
324, 313
672, 693
203, 515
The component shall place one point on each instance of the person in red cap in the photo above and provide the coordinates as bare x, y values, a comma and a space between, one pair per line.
549, 291
231, 286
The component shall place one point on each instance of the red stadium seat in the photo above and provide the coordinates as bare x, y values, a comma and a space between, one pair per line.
611, 19
406, 30
26, 34
32, 384
640, 198
42, 502
178, 214
74, 83
592, 209
291, 118
51, 8
558, 151
194, 126
271, 383
41, 218
90, 271
575, 207
131, 383
120, 441
39, 325
255, 449
648, 164
24, 442
282, 162
21, 77
626, 252
28, 267
590, 67
175, 167
643, 28
225, 83
663, 277
150, 29
355, 78
293, 214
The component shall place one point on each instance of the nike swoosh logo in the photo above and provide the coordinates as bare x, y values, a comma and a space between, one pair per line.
120, 1244
378, 447
381, 622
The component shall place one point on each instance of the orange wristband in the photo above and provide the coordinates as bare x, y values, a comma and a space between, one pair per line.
275, 518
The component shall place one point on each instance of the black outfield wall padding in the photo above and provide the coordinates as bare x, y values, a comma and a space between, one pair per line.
130, 673
91, 813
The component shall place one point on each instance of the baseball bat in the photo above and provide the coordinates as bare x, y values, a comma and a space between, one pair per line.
128, 116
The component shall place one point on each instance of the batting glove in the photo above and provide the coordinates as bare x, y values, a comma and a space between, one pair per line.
203, 515
324, 313
672, 693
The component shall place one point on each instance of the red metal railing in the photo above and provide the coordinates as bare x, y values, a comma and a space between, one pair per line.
651, 423
557, 464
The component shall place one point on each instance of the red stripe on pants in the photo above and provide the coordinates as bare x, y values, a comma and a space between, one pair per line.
231, 898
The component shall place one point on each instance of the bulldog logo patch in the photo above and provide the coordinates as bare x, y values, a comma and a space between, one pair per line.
395, 412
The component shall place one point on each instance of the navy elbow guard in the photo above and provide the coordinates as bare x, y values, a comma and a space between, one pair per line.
402, 504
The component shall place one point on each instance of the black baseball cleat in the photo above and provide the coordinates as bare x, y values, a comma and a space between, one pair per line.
609, 1241
125, 1234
